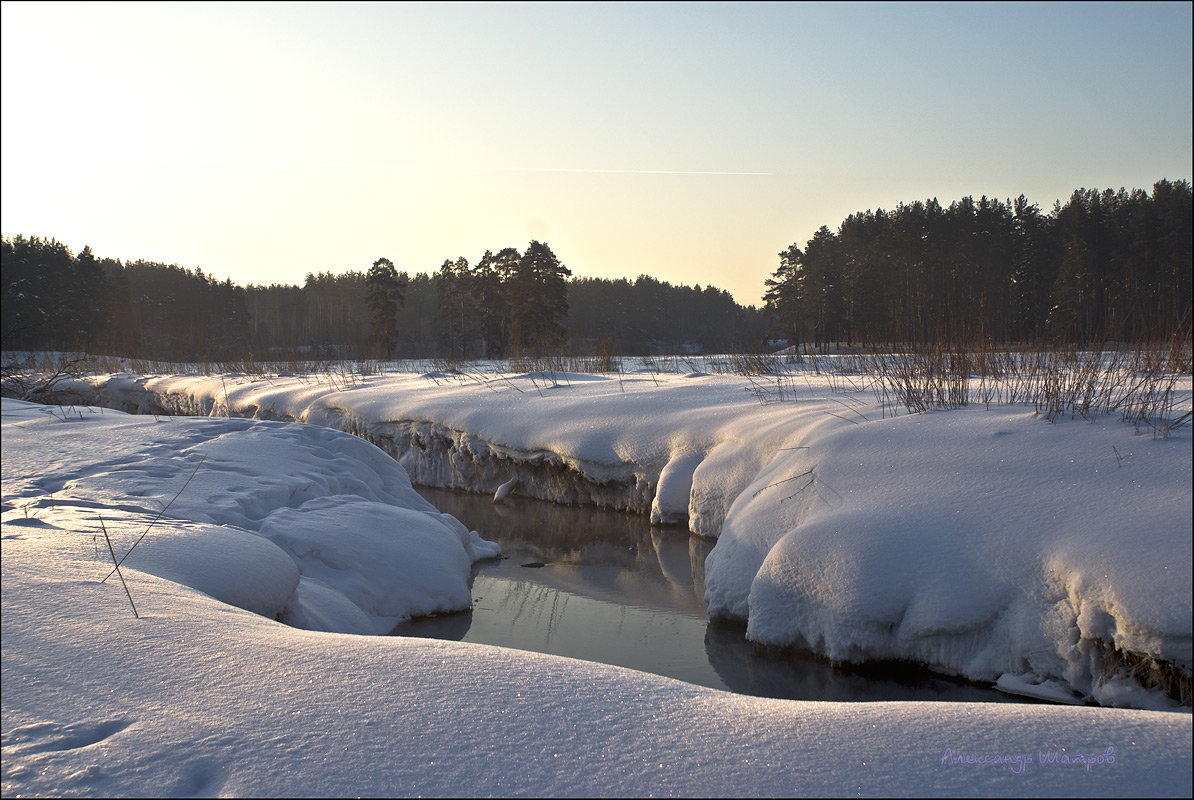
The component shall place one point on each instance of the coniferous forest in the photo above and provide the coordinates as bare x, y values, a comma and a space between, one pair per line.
508, 303
1105, 265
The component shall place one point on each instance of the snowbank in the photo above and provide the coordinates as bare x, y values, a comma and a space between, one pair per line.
199, 697
981, 542
296, 522
1021, 547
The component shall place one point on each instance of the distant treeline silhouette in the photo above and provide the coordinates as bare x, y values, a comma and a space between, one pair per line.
1106, 265
509, 303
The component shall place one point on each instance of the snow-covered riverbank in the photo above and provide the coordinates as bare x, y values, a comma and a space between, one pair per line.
984, 542
198, 696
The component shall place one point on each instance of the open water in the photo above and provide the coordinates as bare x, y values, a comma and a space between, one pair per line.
607, 586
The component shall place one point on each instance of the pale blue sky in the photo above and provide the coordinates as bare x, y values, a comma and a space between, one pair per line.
691, 142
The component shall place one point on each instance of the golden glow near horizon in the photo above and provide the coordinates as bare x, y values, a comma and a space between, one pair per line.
690, 142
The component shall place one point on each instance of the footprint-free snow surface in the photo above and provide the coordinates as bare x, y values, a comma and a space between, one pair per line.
989, 543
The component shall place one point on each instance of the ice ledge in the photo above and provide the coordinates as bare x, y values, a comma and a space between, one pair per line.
441, 456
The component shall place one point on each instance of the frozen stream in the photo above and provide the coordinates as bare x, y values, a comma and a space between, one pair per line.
616, 590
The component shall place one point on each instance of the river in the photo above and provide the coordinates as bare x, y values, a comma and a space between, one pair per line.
607, 586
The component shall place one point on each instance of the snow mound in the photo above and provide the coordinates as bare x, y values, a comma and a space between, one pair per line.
231, 565
504, 490
391, 562
972, 566
289, 521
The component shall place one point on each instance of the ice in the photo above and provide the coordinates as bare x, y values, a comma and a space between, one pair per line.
1030, 685
504, 490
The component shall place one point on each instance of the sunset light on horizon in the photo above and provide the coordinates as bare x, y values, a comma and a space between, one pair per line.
689, 142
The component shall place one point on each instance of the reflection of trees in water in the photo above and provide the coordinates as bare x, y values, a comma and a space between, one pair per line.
795, 675
521, 599
521, 603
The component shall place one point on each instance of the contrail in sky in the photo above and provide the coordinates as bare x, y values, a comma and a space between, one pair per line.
466, 169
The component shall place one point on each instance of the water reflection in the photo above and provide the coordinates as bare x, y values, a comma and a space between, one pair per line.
615, 590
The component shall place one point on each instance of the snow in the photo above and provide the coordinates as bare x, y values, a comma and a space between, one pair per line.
504, 490
984, 542
1013, 558
1030, 685
980, 541
259, 500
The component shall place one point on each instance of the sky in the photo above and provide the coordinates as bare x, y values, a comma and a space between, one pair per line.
688, 141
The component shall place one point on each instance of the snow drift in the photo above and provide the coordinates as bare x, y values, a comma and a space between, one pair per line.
981, 542
197, 697
295, 522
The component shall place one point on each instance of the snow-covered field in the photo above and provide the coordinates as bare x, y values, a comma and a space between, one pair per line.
984, 542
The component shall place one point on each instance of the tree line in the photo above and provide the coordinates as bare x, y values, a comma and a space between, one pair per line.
1106, 265
508, 303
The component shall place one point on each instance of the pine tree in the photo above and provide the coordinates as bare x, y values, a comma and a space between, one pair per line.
822, 287
492, 306
781, 301
88, 298
385, 293
539, 301
454, 302
1034, 265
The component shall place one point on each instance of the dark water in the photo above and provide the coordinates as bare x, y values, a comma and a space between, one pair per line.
613, 589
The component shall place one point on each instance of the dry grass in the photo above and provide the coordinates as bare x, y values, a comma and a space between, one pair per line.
1168, 676
1138, 382
47, 378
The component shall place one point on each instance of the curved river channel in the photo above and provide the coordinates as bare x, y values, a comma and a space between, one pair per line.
606, 586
